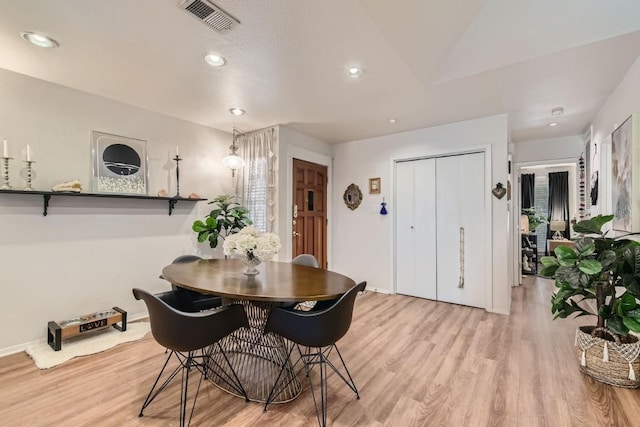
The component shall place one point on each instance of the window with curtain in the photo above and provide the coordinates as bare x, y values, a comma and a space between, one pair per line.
559, 201
257, 180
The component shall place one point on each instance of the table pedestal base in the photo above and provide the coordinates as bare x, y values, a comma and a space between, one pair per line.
256, 358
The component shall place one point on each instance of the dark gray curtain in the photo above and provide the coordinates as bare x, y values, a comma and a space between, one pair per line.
527, 182
559, 201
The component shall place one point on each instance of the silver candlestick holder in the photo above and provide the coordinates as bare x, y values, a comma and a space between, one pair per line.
177, 159
28, 174
5, 162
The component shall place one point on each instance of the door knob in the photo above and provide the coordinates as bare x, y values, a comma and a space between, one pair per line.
296, 234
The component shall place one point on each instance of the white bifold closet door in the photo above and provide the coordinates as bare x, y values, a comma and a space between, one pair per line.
416, 228
440, 229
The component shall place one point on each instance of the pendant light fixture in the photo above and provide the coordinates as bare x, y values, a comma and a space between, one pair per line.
233, 161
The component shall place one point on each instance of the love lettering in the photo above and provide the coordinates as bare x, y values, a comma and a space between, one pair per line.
93, 325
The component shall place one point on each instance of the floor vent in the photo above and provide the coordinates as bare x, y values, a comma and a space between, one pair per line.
210, 14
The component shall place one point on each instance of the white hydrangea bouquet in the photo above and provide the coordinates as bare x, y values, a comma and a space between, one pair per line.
251, 247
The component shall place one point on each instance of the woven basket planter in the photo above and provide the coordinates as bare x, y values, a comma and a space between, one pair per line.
617, 364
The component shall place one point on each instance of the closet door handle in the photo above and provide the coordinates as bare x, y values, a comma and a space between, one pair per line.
461, 280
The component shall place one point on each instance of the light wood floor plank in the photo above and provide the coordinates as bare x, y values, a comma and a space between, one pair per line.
416, 363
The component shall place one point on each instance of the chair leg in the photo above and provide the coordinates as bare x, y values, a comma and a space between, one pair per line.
321, 358
153, 395
184, 389
321, 413
350, 383
186, 364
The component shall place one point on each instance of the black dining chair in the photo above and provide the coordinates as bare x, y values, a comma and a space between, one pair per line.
192, 301
317, 331
191, 338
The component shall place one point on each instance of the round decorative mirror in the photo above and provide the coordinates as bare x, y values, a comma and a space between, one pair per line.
352, 196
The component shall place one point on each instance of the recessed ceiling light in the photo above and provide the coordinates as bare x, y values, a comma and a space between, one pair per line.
552, 124
354, 72
236, 111
214, 60
39, 40
558, 111
393, 120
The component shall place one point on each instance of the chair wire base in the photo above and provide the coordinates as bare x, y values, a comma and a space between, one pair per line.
309, 358
192, 360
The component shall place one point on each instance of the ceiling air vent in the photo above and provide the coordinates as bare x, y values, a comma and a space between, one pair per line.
210, 14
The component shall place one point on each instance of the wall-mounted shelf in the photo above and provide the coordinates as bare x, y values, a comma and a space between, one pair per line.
48, 194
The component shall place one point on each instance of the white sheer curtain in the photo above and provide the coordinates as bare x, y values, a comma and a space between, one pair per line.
257, 181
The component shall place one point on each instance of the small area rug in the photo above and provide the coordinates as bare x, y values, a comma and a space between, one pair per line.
45, 357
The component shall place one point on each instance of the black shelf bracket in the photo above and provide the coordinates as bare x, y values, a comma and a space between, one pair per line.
172, 205
46, 197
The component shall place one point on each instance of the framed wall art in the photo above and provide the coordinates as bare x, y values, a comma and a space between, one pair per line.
374, 185
119, 164
625, 175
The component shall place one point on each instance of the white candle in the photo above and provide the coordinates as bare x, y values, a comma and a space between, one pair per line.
28, 153
177, 152
5, 152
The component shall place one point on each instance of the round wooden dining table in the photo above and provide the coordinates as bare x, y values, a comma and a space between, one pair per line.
256, 357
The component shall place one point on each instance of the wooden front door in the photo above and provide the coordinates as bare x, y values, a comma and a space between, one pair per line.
310, 210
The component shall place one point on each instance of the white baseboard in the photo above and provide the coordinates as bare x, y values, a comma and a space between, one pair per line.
21, 347
378, 290
503, 312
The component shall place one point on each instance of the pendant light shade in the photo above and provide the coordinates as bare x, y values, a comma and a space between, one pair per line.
233, 161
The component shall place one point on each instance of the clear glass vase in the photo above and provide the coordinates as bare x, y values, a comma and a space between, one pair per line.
251, 264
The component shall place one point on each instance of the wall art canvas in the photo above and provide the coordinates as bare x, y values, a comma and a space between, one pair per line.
625, 176
119, 164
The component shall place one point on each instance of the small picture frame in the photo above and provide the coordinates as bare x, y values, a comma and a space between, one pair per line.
119, 164
374, 185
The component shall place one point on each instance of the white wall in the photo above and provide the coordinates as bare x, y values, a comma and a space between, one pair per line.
363, 239
543, 150
293, 144
88, 254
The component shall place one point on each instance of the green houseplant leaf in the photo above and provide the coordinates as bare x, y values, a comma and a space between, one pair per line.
226, 218
590, 266
593, 225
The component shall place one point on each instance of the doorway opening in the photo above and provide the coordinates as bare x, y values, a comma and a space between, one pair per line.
547, 205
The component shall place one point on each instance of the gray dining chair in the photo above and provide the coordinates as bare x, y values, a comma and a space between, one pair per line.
309, 261
318, 332
306, 259
191, 337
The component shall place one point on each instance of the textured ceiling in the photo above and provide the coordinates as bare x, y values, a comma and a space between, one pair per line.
426, 62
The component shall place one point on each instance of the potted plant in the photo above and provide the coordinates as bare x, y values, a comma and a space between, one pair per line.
605, 271
535, 219
227, 218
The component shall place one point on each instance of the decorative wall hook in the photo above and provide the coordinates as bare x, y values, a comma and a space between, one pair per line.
499, 191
